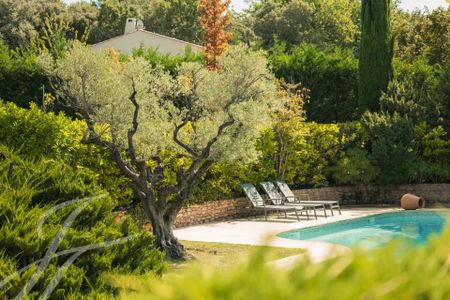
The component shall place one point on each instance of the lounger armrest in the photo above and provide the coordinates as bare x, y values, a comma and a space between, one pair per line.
295, 198
281, 200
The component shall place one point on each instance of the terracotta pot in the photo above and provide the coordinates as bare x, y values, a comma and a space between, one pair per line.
412, 202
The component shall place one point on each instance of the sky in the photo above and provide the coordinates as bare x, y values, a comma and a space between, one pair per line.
239, 5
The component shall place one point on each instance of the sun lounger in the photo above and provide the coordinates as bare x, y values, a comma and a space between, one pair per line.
258, 202
272, 192
289, 195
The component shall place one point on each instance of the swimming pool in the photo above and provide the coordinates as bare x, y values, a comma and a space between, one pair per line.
374, 231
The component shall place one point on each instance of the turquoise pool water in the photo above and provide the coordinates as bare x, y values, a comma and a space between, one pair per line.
374, 231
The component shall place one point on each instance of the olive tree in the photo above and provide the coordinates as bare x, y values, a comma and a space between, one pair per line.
136, 112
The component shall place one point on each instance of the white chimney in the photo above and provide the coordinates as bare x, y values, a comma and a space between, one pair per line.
139, 25
132, 25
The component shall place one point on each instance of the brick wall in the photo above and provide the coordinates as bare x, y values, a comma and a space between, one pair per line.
434, 194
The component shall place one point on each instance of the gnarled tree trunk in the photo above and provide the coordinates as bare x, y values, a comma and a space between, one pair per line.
162, 227
165, 239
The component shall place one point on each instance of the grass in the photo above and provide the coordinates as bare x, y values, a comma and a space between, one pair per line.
222, 256
207, 256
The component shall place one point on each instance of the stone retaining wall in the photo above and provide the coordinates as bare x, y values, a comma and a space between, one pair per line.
215, 211
434, 194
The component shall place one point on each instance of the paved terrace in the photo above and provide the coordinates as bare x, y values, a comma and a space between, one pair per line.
256, 231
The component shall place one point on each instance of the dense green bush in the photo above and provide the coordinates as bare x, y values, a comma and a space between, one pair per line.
37, 133
20, 79
405, 141
354, 167
223, 180
443, 93
392, 147
435, 150
314, 146
29, 188
312, 150
330, 75
34, 133
416, 83
393, 272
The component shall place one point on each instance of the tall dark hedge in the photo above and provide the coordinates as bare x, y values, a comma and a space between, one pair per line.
20, 79
331, 75
376, 51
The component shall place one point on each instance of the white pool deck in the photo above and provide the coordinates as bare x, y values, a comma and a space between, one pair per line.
256, 231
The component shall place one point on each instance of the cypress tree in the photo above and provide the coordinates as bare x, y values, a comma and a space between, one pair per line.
376, 51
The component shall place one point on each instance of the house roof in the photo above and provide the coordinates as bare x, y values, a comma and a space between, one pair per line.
150, 34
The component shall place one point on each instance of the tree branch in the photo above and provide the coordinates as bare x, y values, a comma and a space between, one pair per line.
180, 143
158, 174
140, 163
240, 95
188, 180
115, 154
186, 192
206, 151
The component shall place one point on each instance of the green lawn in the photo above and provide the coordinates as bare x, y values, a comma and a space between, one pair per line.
208, 256
223, 256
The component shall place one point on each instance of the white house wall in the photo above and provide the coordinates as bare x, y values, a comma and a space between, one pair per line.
165, 45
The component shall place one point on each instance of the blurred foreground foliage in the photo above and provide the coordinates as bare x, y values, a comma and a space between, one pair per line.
395, 271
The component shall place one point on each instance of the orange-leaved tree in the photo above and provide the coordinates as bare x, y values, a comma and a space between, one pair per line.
215, 17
